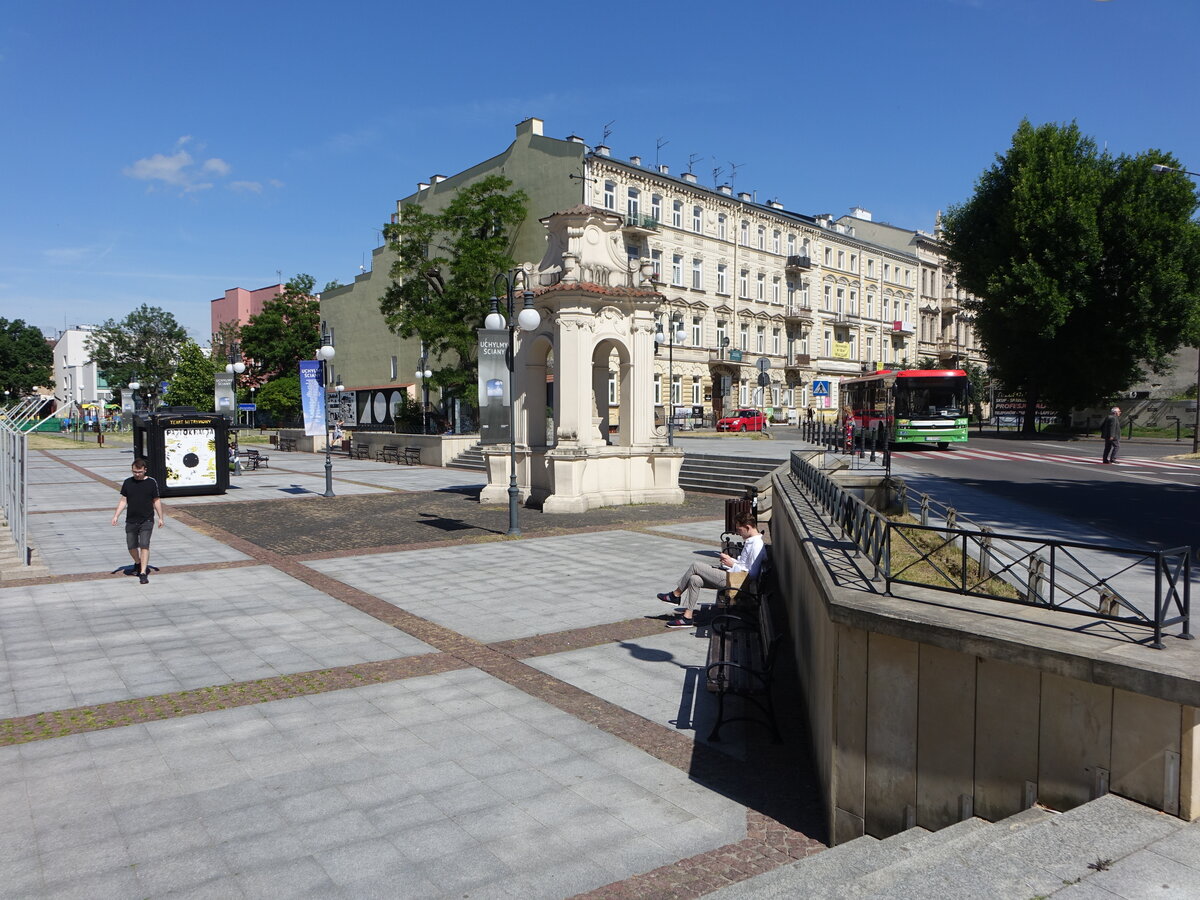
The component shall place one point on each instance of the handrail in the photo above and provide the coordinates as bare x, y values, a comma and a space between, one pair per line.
1041, 572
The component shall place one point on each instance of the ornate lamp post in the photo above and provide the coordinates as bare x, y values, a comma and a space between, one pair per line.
423, 374
528, 319
676, 336
325, 354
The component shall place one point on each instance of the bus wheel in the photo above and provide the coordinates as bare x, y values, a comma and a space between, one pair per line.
943, 445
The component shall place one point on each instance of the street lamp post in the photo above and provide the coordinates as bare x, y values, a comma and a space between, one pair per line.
676, 336
326, 354
528, 319
423, 374
235, 368
1160, 169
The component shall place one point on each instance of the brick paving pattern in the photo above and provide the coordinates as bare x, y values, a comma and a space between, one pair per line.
416, 555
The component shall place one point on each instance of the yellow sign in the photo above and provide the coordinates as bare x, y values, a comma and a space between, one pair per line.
841, 349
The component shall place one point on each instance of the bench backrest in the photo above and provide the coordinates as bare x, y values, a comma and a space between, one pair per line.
770, 636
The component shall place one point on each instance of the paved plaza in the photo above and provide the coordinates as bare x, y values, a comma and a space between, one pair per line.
374, 695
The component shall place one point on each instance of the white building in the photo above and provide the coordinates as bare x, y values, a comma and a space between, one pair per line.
76, 380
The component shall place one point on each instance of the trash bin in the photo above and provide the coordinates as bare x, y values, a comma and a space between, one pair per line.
186, 452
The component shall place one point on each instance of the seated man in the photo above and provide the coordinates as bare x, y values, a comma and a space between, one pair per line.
705, 576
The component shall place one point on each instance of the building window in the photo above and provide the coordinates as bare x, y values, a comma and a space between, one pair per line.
775, 345
870, 268
610, 195
656, 264
743, 394
791, 293
744, 338
870, 306
657, 389
744, 284
791, 245
676, 390
775, 290
841, 300
762, 238
695, 390
828, 257
677, 214
853, 302
804, 294
697, 332
828, 298
775, 242
722, 279
828, 343
677, 270
760, 287
870, 349
633, 204
697, 275
395, 368
761, 342
656, 208
887, 272
612, 388
721, 335
697, 219
722, 233
841, 259
745, 236
853, 262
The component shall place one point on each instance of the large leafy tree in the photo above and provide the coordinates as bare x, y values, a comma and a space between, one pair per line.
144, 346
285, 332
192, 384
1086, 266
445, 270
26, 360
280, 398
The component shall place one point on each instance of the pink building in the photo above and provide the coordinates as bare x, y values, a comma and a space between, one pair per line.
239, 304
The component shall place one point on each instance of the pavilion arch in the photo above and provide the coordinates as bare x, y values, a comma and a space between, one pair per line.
539, 404
607, 353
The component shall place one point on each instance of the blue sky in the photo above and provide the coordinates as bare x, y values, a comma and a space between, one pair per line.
160, 153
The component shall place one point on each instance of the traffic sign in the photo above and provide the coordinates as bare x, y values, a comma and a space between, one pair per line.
764, 379
820, 388
248, 407
763, 364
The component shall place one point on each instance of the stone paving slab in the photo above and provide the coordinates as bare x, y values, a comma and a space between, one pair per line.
72, 495
442, 786
87, 542
706, 531
660, 677
506, 590
94, 641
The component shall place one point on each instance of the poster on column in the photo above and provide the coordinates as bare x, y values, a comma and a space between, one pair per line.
312, 400
493, 386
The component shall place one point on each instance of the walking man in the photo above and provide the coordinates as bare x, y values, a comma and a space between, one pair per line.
139, 496
1110, 430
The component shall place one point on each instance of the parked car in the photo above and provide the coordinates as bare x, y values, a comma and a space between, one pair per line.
742, 420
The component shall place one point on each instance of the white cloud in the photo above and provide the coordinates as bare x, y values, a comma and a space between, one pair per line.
254, 187
178, 169
216, 166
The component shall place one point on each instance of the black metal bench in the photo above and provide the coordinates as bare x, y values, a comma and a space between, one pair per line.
743, 646
389, 453
254, 459
361, 451
412, 456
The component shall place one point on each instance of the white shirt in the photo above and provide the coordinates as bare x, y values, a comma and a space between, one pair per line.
750, 558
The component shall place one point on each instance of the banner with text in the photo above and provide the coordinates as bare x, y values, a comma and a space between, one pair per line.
494, 387
312, 396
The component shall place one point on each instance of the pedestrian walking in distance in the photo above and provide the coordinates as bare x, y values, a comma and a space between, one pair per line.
141, 502
1110, 430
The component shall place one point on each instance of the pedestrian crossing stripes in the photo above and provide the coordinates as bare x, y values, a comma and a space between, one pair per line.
1127, 461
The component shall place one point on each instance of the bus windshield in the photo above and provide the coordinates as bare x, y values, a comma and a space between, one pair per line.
941, 397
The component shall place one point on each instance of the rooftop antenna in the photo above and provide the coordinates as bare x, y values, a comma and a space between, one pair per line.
279, 276
717, 170
657, 147
363, 265
733, 167
607, 132
692, 157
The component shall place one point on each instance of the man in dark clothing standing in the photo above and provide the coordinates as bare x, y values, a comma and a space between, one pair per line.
139, 494
1110, 430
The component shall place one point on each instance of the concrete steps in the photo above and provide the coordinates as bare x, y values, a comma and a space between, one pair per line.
729, 475
1035, 853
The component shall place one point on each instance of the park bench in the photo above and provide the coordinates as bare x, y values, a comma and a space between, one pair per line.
389, 453
254, 460
361, 451
743, 646
412, 456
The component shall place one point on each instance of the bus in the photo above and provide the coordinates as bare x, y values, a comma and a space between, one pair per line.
924, 406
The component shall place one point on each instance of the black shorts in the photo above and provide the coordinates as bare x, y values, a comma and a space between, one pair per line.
137, 534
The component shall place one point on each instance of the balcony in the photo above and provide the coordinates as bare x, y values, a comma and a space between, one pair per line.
796, 313
798, 262
727, 355
948, 350
840, 318
798, 361
901, 327
640, 224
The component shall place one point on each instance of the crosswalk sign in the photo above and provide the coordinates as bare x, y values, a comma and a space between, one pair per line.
820, 388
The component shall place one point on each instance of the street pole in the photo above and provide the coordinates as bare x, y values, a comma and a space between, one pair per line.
325, 354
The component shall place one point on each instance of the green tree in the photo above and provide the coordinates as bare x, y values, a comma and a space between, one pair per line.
331, 286
223, 340
1086, 267
285, 332
445, 270
144, 346
280, 397
26, 360
192, 384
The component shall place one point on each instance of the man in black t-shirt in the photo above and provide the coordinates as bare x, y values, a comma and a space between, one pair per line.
140, 495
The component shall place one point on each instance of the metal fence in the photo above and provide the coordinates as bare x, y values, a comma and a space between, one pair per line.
14, 452
1150, 588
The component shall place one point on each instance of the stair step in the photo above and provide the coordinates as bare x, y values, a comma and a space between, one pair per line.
829, 867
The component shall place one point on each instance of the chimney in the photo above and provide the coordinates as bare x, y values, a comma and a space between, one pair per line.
574, 139
726, 189
774, 204
859, 213
529, 126
601, 150
438, 179
635, 160
744, 196
689, 177
422, 185
664, 169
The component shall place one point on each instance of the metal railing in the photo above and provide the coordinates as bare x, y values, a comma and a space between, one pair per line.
1095, 580
14, 454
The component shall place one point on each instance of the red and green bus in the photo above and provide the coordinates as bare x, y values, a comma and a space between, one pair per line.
920, 406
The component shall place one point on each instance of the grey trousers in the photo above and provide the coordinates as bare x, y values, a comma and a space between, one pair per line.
700, 575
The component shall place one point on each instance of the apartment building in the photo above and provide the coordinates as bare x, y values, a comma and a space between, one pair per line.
745, 281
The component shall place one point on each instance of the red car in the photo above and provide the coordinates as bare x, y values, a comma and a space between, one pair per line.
743, 420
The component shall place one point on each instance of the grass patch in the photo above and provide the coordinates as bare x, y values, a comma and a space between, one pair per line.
935, 559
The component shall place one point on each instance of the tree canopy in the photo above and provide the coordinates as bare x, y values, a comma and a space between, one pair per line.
142, 347
286, 331
280, 397
192, 384
445, 270
26, 360
1086, 266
